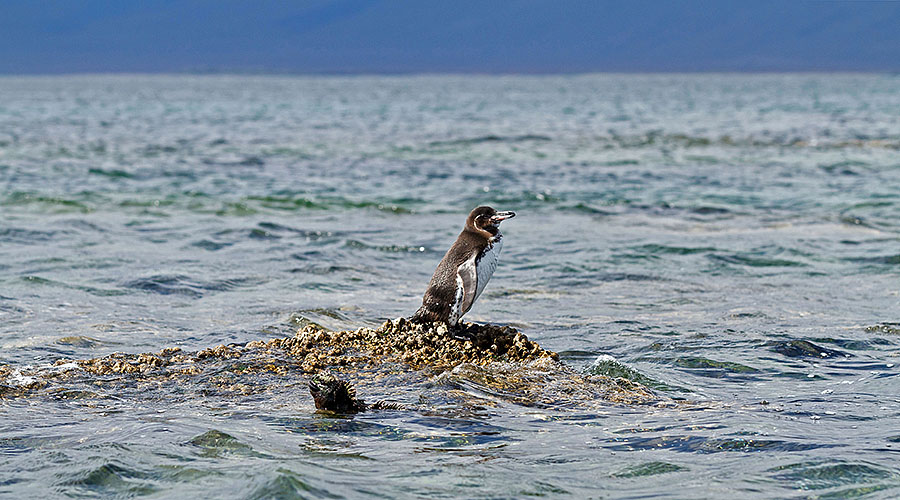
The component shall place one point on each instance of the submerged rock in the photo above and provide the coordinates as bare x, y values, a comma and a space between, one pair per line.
806, 349
889, 328
546, 382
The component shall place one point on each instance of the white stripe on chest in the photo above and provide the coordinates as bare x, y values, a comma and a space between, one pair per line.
456, 309
485, 267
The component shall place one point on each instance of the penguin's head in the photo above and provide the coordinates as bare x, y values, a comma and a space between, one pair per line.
487, 220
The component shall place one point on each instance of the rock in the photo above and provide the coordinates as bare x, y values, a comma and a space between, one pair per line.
397, 346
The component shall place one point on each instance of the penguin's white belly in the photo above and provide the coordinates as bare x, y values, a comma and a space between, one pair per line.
486, 266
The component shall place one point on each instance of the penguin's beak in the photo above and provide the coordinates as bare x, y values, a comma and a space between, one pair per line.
502, 216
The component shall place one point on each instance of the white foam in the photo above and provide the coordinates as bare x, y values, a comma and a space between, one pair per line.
604, 358
64, 367
16, 378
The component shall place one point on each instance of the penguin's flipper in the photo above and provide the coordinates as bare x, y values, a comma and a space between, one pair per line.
469, 277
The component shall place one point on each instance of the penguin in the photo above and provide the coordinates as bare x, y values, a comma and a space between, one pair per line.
465, 269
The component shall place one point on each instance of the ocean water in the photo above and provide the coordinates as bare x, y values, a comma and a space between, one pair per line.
732, 241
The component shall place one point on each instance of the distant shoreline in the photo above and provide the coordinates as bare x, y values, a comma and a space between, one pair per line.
889, 73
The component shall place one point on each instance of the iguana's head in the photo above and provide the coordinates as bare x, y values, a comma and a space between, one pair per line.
333, 394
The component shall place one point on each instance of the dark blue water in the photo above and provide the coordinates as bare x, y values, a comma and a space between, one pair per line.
730, 240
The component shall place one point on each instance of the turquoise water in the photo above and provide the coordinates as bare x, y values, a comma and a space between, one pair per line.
730, 240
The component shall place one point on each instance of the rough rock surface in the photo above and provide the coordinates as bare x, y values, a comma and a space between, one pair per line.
498, 358
418, 345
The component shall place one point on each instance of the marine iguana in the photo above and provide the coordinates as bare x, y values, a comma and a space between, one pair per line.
337, 396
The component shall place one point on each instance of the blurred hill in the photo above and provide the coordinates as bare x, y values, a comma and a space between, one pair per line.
519, 36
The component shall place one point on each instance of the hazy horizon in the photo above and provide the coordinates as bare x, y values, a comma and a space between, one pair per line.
350, 74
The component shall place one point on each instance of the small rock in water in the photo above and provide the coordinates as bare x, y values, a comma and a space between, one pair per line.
805, 349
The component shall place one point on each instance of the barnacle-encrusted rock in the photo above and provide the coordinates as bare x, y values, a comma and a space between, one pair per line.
418, 345
129, 363
498, 357
314, 348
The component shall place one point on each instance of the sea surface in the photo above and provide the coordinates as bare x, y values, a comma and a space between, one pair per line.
732, 241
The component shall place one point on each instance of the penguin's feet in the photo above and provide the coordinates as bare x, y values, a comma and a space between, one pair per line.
460, 333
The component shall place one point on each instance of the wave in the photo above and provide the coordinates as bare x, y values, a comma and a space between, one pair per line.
491, 138
169, 284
